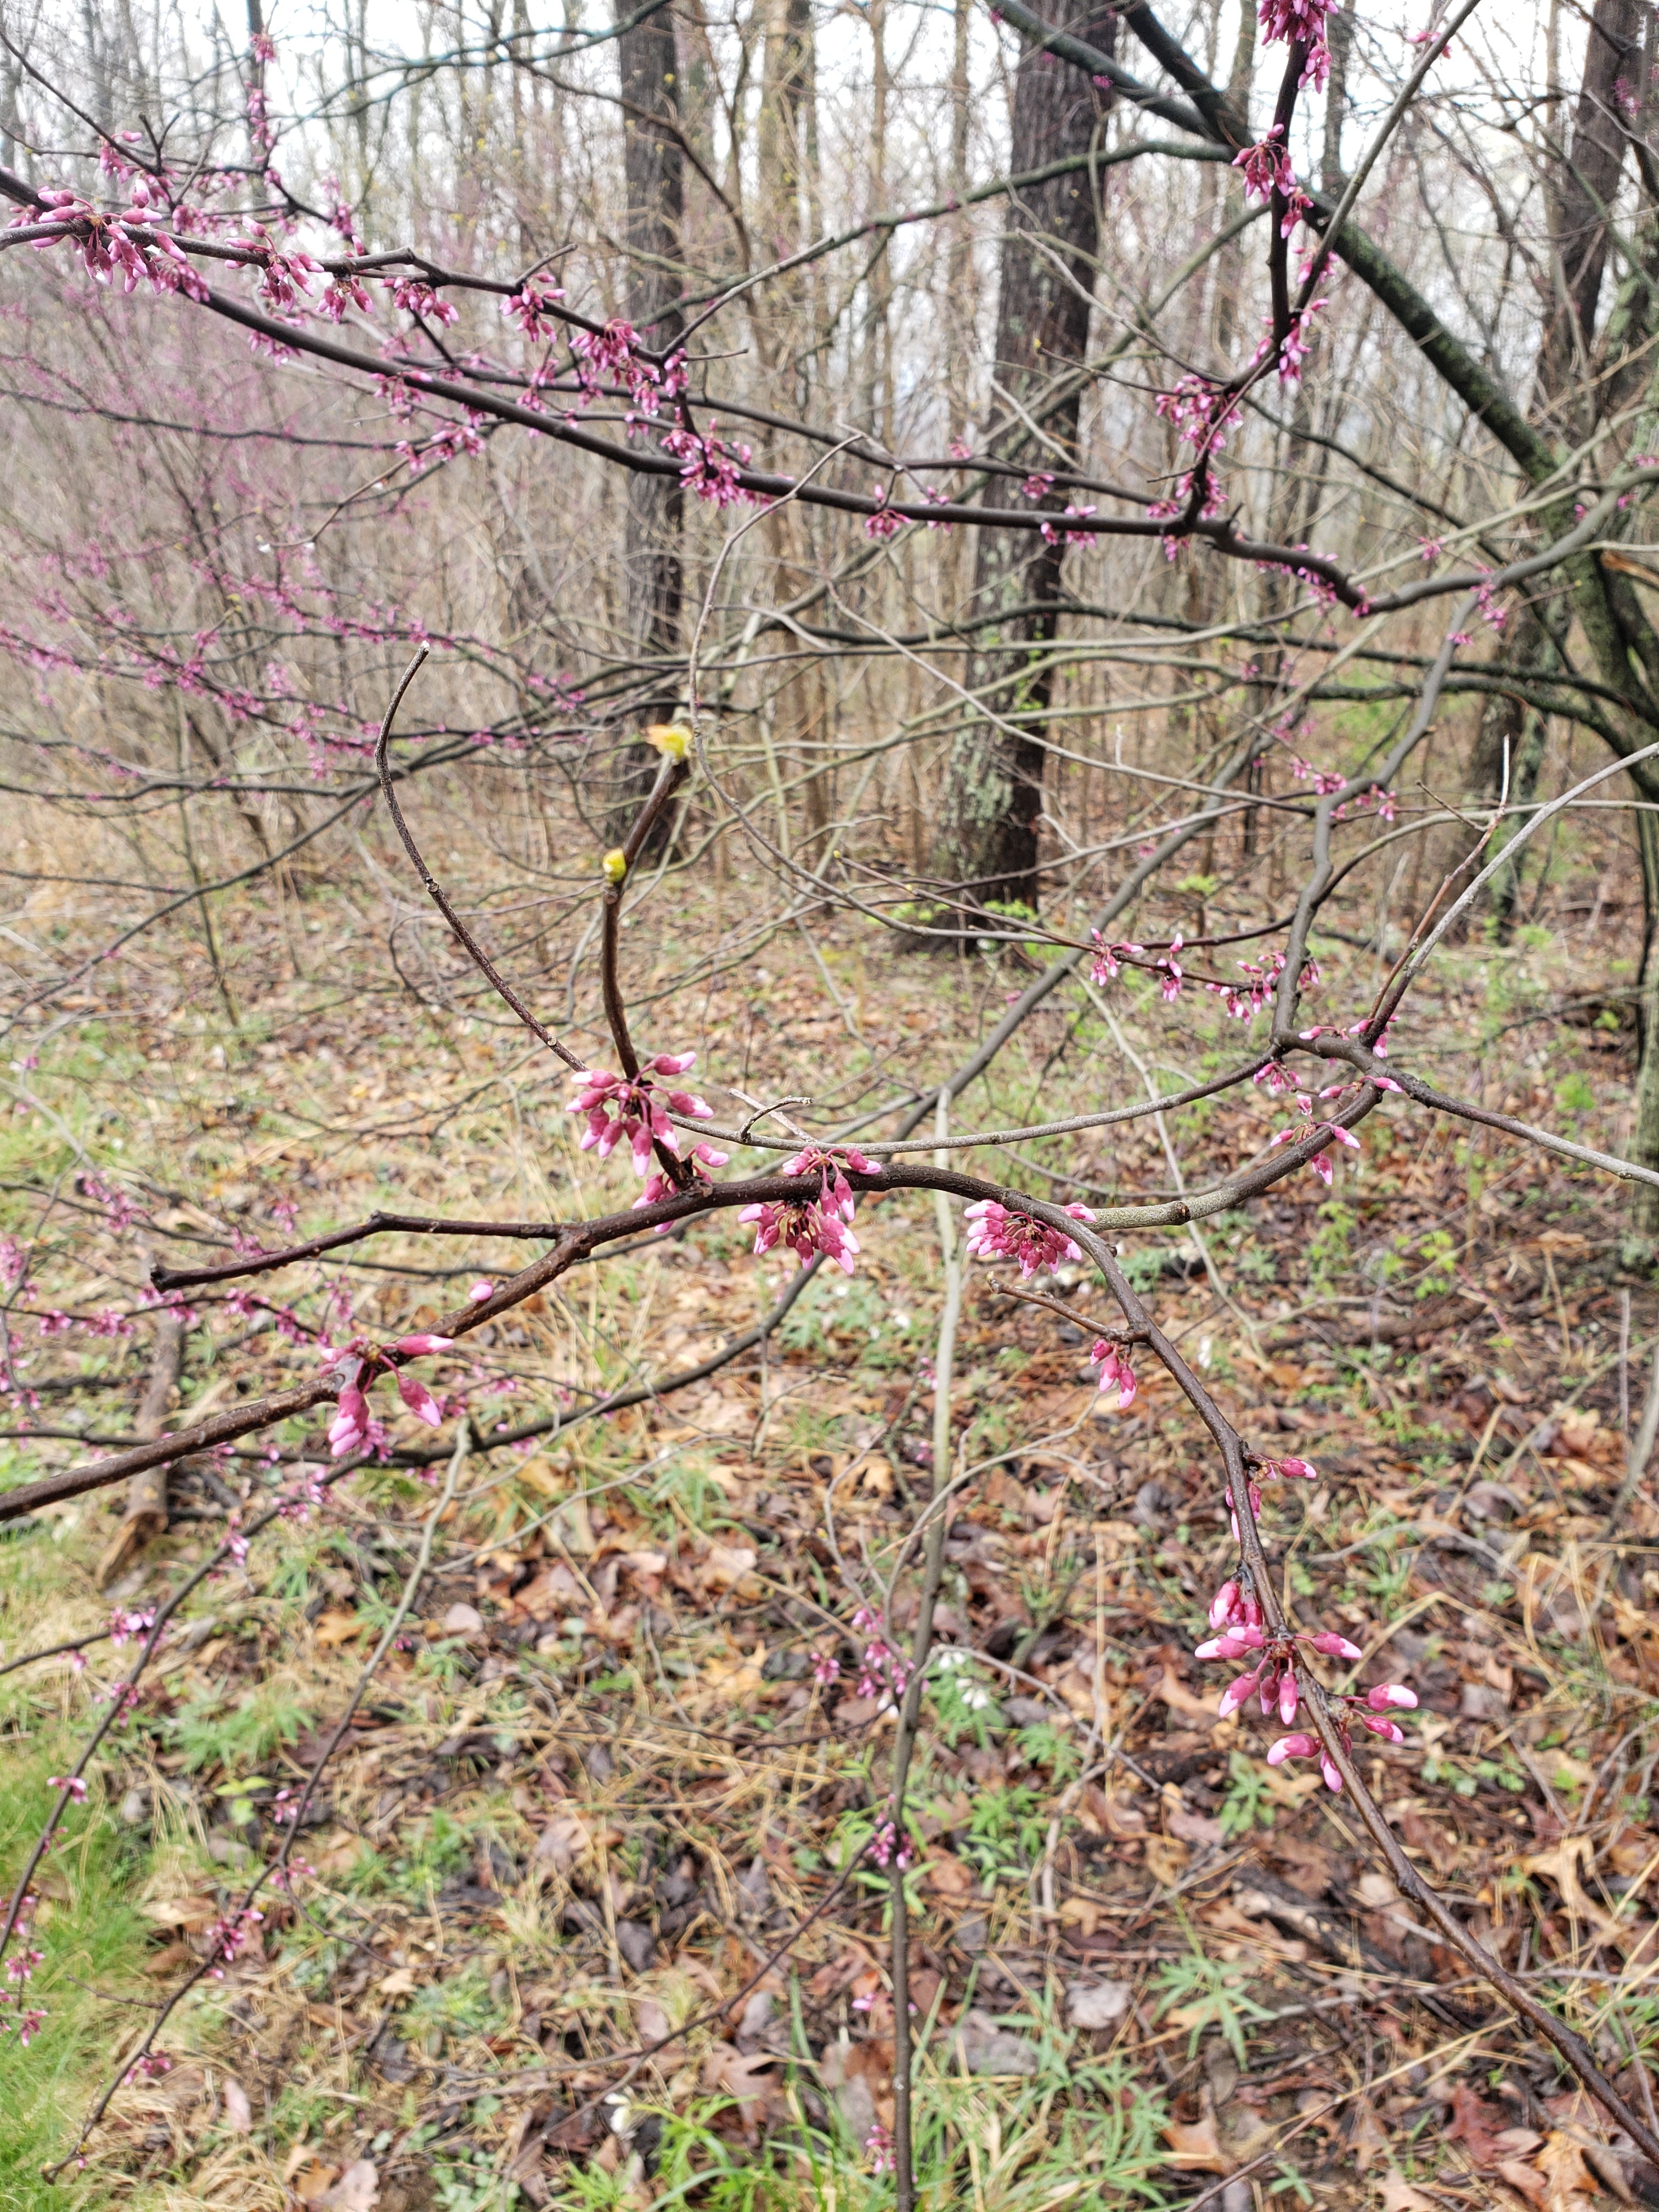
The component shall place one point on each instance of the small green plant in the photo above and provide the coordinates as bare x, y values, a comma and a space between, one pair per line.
1008, 1829
457, 2004
208, 1733
1247, 1804
1574, 1095
1200, 1993
1046, 1745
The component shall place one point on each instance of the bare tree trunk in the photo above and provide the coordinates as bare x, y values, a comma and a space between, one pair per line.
1586, 185
654, 169
987, 846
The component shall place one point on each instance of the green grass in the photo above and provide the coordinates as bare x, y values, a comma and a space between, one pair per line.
90, 1935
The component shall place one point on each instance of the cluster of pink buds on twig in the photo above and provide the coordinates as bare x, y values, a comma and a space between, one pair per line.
884, 1672
1295, 1131
1237, 1614
1244, 1001
15, 2012
150, 2068
228, 1937
879, 2148
995, 1233
888, 1848
1289, 1469
1115, 1372
639, 1111
808, 1226
1110, 960
357, 1368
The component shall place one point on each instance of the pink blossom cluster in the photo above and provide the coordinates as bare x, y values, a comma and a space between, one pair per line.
808, 1226
285, 273
886, 521
531, 307
1115, 1372
1054, 536
617, 1108
1302, 23
883, 1672
1237, 1615
1295, 1131
230, 1937
126, 246
1109, 959
447, 444
888, 1848
1202, 410
995, 1232
1267, 166
413, 295
879, 2148
14, 2011
357, 1369
1269, 1470
709, 467
1243, 1002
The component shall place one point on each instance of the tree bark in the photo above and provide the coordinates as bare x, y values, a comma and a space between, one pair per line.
654, 172
1587, 184
988, 847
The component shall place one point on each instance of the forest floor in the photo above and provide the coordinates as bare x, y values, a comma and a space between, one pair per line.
594, 1797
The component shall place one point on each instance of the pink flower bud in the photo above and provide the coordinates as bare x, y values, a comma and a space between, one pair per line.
419, 1399
1333, 1779
418, 1347
482, 1289
1222, 1605
1292, 1746
1300, 1470
1390, 1730
1235, 1694
1384, 1694
1334, 1646
1289, 1697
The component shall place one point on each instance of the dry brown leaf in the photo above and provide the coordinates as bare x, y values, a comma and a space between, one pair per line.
1569, 2184
358, 2190
561, 1841
1368, 2140
1180, 1699
1562, 1865
1524, 2180
727, 1565
1399, 2195
188, 1913
1474, 2124
945, 1876
337, 1628
1197, 2148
